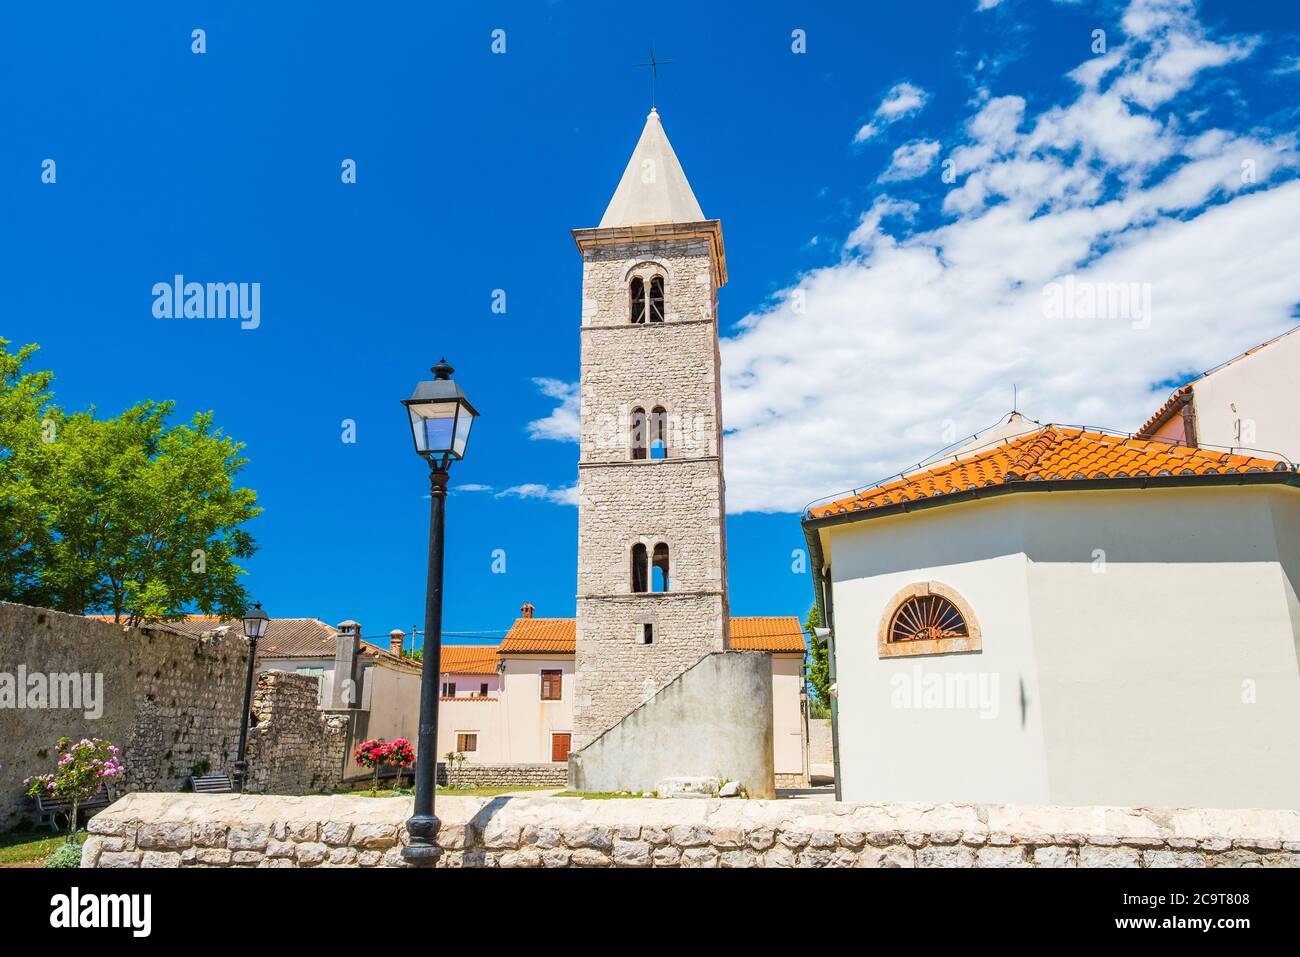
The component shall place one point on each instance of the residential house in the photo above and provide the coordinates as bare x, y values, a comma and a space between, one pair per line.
1247, 402
512, 703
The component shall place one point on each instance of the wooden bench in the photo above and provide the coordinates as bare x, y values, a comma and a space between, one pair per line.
49, 809
212, 784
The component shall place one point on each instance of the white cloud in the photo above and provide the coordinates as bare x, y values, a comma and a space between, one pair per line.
561, 496
919, 333
988, 4
1290, 64
911, 160
471, 487
562, 424
902, 100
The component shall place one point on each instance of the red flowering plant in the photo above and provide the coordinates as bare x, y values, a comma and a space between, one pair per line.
373, 754
401, 755
82, 769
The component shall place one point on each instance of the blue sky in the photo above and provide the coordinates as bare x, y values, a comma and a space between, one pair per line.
875, 310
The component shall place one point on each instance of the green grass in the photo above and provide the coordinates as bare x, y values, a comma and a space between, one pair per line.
601, 795
28, 848
445, 792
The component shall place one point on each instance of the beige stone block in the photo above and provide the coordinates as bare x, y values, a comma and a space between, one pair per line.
667, 856
376, 836
310, 853
343, 856
1056, 857
737, 858
956, 855
631, 854
1001, 857
249, 837
160, 859
336, 833
557, 857
123, 859
699, 857
1172, 859
1090, 856
164, 836
524, 857
589, 857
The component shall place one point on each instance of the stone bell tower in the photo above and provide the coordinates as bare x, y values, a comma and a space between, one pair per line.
652, 568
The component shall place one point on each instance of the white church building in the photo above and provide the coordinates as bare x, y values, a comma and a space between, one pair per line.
1052, 615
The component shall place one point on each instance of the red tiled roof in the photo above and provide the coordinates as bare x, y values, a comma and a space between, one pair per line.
767, 633
1056, 453
559, 635
1177, 399
548, 635
469, 659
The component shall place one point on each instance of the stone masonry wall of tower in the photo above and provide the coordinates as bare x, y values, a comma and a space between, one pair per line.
677, 500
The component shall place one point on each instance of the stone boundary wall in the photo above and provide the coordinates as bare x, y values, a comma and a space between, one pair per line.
153, 830
295, 747
169, 701
504, 775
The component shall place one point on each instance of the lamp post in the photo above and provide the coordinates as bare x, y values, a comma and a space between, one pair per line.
255, 621
441, 418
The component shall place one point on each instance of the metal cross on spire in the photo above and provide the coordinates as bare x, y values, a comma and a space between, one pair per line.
654, 66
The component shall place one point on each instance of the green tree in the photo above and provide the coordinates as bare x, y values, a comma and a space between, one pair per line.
130, 516
819, 668
24, 426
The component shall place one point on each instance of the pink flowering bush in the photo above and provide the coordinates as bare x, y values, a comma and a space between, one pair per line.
82, 768
401, 755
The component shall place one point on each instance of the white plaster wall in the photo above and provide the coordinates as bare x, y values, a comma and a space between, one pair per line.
787, 715
1257, 391
925, 754
1120, 685
1167, 664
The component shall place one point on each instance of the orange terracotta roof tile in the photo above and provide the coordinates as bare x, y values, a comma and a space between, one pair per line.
559, 635
767, 633
468, 659
542, 635
1053, 453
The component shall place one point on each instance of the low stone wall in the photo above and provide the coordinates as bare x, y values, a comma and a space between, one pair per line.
157, 830
505, 776
295, 747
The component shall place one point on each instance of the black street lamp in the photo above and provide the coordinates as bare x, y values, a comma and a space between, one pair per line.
255, 621
441, 418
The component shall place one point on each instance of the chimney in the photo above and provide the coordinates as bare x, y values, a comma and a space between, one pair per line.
527, 610
350, 628
396, 641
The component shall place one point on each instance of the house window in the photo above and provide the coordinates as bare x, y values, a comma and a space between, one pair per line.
449, 689
927, 618
638, 300
560, 746
659, 574
658, 433
640, 573
466, 741
482, 690
657, 299
638, 423
647, 633
552, 685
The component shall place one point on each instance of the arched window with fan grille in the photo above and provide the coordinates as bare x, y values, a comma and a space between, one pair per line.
928, 618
